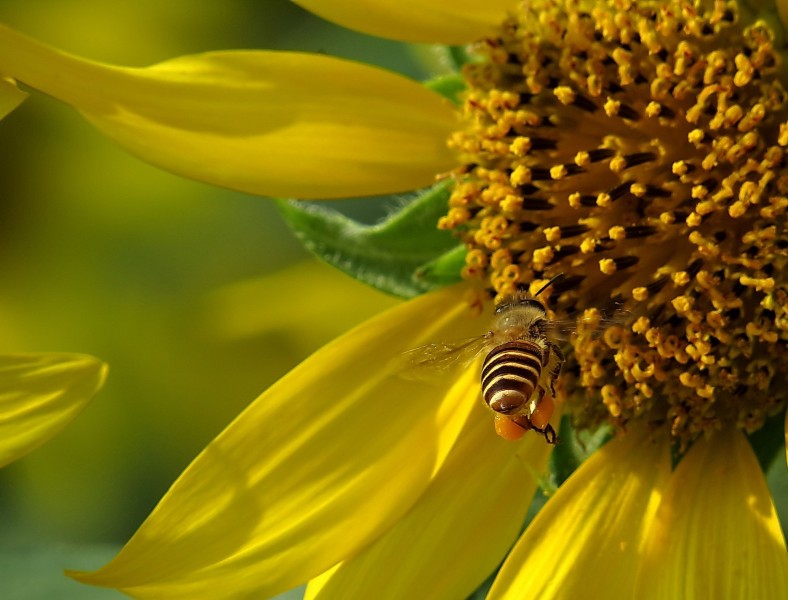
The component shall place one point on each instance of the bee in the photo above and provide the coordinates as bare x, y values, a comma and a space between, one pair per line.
521, 366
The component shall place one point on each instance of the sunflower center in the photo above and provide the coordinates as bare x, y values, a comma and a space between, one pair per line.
639, 149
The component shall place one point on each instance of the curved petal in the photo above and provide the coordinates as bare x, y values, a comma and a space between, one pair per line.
782, 11
10, 96
247, 309
716, 534
267, 123
459, 530
40, 394
437, 21
585, 541
318, 466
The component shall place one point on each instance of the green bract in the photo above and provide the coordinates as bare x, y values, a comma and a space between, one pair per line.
404, 255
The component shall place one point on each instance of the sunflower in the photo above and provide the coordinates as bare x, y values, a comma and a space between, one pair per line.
631, 155
40, 394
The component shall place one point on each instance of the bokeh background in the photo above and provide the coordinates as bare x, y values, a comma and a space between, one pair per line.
198, 298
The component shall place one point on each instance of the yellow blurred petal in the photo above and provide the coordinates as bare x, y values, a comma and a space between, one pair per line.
585, 542
40, 394
317, 467
782, 11
248, 309
462, 526
10, 96
437, 21
716, 534
267, 123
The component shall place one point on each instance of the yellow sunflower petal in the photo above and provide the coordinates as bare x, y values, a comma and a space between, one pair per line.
268, 123
437, 21
585, 542
716, 534
317, 467
461, 527
782, 11
39, 395
10, 96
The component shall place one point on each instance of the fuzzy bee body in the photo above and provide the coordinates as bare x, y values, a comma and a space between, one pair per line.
510, 374
521, 366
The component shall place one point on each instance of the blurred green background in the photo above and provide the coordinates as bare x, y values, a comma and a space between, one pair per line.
198, 298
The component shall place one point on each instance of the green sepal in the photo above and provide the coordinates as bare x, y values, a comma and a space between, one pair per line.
460, 56
449, 86
387, 255
445, 59
573, 448
767, 442
444, 270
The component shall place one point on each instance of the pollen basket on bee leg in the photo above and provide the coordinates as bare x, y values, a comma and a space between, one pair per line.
508, 429
541, 413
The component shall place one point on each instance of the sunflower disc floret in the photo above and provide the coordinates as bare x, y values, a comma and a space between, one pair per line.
639, 149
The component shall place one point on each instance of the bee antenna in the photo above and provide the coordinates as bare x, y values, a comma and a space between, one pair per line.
549, 283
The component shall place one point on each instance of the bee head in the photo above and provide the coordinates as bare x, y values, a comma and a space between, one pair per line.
534, 303
520, 301
523, 300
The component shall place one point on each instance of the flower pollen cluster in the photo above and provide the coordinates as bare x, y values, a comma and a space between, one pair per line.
639, 148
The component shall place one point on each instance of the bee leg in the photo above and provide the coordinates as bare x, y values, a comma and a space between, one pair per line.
535, 402
542, 392
547, 431
555, 351
550, 436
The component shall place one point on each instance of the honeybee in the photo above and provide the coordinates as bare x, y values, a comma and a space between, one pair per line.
521, 366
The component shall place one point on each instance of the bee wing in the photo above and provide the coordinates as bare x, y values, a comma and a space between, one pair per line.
562, 330
432, 359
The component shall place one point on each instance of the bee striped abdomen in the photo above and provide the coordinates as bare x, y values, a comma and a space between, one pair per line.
510, 374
